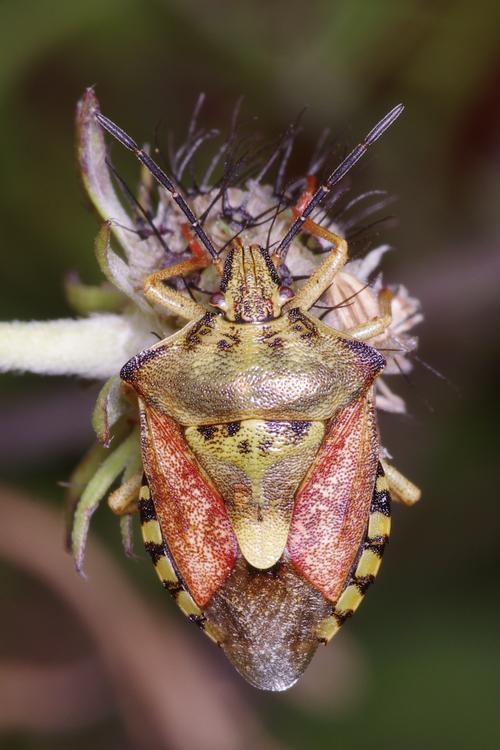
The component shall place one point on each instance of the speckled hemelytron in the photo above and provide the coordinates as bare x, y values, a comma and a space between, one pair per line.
265, 506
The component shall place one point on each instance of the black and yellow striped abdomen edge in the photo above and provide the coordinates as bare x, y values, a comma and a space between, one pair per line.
366, 567
164, 565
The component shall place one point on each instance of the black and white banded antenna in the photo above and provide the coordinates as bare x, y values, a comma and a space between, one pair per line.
161, 177
337, 175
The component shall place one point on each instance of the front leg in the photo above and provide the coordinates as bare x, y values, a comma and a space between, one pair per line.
177, 303
324, 275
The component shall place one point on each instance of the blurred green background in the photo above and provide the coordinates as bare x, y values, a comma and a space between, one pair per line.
419, 666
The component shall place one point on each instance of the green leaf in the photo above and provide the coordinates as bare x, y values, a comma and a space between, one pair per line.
127, 534
86, 299
79, 478
109, 407
95, 490
97, 179
114, 268
92, 157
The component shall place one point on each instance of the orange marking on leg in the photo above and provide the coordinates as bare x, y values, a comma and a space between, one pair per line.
332, 505
315, 229
306, 196
191, 513
302, 203
199, 254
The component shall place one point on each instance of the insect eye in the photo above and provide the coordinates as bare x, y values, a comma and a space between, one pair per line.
217, 300
286, 292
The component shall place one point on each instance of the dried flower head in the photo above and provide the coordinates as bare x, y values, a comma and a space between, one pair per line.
244, 192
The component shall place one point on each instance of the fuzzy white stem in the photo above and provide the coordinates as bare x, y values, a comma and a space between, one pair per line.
95, 347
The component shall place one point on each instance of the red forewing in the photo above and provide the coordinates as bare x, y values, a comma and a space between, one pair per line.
191, 513
333, 503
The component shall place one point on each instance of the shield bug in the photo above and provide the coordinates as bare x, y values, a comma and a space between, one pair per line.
265, 505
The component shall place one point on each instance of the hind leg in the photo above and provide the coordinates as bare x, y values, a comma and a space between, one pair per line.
125, 500
401, 488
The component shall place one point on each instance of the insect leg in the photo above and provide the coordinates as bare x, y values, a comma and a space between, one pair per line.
124, 499
337, 175
156, 291
375, 326
401, 488
306, 196
324, 275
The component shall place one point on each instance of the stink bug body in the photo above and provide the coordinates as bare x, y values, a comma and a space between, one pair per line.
265, 505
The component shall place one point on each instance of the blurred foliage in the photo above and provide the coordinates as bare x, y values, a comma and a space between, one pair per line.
429, 632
